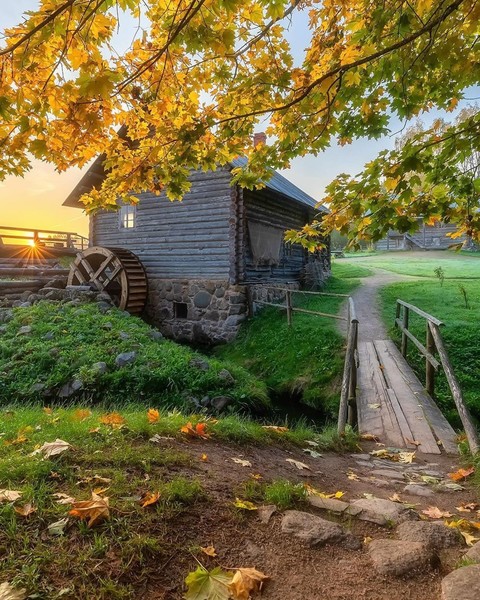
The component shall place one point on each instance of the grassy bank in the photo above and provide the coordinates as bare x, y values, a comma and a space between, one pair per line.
423, 264
49, 346
461, 333
303, 363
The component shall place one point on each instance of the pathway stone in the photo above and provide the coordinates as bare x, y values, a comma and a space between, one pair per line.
388, 474
418, 490
474, 553
265, 513
436, 535
330, 504
380, 511
316, 531
462, 584
398, 557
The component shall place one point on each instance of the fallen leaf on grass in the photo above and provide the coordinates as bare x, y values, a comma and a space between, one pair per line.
301, 466
204, 457
256, 476
240, 461
312, 443
198, 431
367, 540
208, 585
58, 528
21, 436
461, 474
7, 592
160, 438
244, 504
25, 510
276, 428
353, 476
63, 498
113, 419
94, 510
9, 495
456, 487
209, 551
81, 414
245, 582
47, 410
149, 498
435, 513
52, 448
395, 498
95, 479
153, 415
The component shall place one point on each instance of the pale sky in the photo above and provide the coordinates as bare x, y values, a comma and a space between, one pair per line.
36, 200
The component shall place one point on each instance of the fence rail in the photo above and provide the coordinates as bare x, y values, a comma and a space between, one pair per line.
46, 238
348, 396
434, 344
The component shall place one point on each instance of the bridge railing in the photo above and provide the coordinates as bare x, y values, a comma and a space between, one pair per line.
43, 237
348, 404
434, 345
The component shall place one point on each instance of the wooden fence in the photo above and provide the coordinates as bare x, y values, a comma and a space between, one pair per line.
348, 404
46, 238
434, 345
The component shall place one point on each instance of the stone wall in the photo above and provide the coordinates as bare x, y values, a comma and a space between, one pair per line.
205, 311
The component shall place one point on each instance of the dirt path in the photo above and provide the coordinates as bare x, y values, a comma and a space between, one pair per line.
367, 304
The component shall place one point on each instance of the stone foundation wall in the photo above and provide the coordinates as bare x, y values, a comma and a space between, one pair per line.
213, 313
205, 311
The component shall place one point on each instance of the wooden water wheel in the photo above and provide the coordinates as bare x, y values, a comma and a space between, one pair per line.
114, 270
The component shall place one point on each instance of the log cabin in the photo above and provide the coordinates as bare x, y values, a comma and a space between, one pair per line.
207, 256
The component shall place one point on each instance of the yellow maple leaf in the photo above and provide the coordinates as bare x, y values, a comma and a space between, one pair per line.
208, 550
244, 504
149, 498
114, 419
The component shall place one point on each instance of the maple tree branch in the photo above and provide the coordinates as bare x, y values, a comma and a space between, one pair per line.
357, 63
51, 17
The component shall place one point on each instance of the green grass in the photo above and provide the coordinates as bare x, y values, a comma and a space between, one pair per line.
455, 265
284, 494
346, 270
66, 341
461, 334
301, 364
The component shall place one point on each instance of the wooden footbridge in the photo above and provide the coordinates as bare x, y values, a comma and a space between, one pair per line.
382, 395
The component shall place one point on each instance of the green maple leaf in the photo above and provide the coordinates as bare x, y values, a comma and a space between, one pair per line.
208, 585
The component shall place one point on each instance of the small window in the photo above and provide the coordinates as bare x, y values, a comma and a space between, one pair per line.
128, 215
180, 310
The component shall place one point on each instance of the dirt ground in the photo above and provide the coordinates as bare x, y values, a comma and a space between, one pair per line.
297, 571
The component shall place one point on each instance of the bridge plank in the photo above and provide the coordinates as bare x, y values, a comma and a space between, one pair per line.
399, 379
372, 391
437, 421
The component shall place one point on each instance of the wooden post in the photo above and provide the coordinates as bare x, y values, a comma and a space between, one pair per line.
289, 307
429, 369
404, 335
251, 308
397, 313
352, 388
467, 422
69, 241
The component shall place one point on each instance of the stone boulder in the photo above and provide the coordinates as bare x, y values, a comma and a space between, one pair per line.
380, 511
399, 557
125, 358
436, 535
474, 553
462, 584
316, 531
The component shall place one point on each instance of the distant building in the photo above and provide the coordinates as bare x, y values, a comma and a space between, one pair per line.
427, 237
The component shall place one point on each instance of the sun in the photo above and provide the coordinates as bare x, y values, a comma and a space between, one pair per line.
32, 243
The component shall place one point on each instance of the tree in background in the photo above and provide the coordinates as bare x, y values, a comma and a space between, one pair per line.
200, 75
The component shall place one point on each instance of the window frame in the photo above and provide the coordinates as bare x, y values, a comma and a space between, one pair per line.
127, 216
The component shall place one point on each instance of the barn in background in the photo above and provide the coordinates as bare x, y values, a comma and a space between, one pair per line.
205, 255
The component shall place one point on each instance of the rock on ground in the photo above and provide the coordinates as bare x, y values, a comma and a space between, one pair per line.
316, 531
399, 557
125, 358
462, 584
380, 511
474, 553
435, 535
